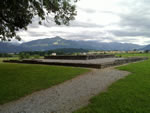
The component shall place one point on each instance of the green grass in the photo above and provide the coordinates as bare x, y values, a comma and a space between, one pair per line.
8, 58
128, 95
134, 55
18, 80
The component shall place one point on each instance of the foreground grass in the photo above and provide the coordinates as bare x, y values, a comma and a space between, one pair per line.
128, 95
18, 80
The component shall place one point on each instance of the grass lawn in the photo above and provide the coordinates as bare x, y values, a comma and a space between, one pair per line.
134, 54
8, 58
18, 80
128, 95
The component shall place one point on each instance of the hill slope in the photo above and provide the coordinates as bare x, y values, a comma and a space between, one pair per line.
146, 47
10, 48
58, 43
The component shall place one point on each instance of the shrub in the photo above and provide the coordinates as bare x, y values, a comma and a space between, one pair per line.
24, 56
36, 56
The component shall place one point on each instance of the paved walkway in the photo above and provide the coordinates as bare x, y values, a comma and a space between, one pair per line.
66, 97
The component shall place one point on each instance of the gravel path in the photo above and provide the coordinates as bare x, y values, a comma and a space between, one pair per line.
66, 97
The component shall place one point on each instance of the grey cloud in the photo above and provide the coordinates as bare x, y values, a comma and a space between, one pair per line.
136, 22
87, 10
94, 11
139, 15
49, 22
74, 23
87, 35
125, 33
84, 24
36, 34
100, 38
34, 23
147, 42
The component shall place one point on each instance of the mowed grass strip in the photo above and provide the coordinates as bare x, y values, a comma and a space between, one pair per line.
134, 55
8, 58
128, 95
18, 80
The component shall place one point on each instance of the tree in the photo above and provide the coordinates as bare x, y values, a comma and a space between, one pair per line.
18, 14
24, 55
146, 51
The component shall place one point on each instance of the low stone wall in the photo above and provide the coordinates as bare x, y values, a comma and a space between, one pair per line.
98, 66
80, 57
123, 61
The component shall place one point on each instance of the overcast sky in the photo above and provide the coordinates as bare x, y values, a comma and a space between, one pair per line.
126, 21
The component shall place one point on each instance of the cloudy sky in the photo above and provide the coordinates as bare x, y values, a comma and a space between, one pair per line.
126, 21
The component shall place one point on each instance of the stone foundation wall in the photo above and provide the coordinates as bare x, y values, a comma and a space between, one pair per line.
80, 57
123, 61
98, 66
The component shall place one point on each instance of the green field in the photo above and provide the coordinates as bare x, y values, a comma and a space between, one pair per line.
134, 54
18, 80
8, 58
128, 95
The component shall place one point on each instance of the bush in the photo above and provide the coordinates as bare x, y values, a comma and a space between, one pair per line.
5, 55
146, 51
36, 56
24, 56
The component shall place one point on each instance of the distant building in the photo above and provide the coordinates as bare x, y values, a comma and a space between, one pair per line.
11, 53
53, 54
84, 53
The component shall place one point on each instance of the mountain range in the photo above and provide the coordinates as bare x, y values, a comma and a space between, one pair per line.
146, 47
58, 42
